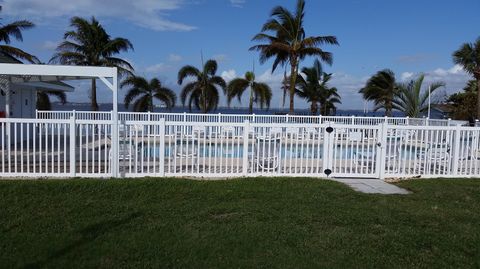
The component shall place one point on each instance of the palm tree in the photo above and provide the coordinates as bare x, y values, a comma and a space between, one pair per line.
142, 93
203, 90
288, 42
14, 29
260, 93
43, 99
468, 56
411, 100
328, 104
314, 88
89, 44
381, 88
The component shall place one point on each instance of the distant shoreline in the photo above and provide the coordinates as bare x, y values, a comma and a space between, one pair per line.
225, 110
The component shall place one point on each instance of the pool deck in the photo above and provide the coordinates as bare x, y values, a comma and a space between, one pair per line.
371, 186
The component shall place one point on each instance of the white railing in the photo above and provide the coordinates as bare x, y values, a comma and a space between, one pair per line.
239, 118
84, 148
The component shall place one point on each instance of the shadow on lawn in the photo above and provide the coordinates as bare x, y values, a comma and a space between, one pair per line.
88, 234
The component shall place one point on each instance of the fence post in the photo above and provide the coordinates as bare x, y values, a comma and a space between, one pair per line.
184, 116
73, 160
353, 119
449, 120
456, 150
407, 120
149, 116
382, 155
286, 118
253, 118
219, 117
386, 119
320, 119
246, 131
162, 148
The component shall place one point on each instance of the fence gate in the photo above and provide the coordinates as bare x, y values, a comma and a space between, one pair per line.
352, 151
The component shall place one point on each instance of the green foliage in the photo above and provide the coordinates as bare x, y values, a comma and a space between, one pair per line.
14, 30
242, 223
468, 56
411, 99
464, 104
314, 89
260, 93
283, 38
43, 99
381, 88
88, 44
202, 92
142, 93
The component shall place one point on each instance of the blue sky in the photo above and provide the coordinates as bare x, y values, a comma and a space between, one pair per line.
407, 36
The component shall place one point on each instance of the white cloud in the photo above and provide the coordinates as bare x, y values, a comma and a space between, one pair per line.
229, 75
145, 13
49, 45
157, 68
406, 76
237, 3
174, 58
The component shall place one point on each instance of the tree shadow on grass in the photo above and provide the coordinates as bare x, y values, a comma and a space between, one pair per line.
88, 234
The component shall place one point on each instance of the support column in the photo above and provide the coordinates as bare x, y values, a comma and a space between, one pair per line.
115, 125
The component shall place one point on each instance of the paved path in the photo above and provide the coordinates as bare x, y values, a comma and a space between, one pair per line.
371, 185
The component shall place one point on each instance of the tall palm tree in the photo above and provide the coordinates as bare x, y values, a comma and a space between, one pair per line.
381, 88
288, 42
260, 93
411, 100
468, 56
43, 99
203, 90
142, 93
14, 29
314, 88
90, 44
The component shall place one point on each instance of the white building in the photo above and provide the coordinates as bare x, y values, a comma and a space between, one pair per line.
23, 96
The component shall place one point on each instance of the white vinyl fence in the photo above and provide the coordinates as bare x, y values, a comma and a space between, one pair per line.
240, 118
77, 147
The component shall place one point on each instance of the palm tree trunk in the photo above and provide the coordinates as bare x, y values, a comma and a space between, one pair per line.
313, 108
250, 104
293, 79
94, 95
478, 97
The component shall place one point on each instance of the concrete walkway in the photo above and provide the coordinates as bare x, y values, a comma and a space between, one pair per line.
371, 185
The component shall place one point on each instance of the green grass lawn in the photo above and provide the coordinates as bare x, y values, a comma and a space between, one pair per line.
291, 223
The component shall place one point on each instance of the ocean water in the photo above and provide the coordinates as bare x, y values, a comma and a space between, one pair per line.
224, 110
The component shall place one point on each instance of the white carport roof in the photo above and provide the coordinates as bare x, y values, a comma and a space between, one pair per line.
21, 73
39, 73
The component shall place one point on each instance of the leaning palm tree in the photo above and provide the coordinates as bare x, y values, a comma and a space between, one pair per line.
260, 93
89, 44
411, 99
288, 42
468, 56
14, 29
142, 93
43, 99
329, 101
314, 88
381, 88
203, 90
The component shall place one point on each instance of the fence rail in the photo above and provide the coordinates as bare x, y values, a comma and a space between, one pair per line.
240, 118
75, 146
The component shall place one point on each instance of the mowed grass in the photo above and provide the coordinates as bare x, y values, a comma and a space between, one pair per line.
269, 223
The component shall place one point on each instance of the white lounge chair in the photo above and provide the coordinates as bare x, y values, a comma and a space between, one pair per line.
266, 153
